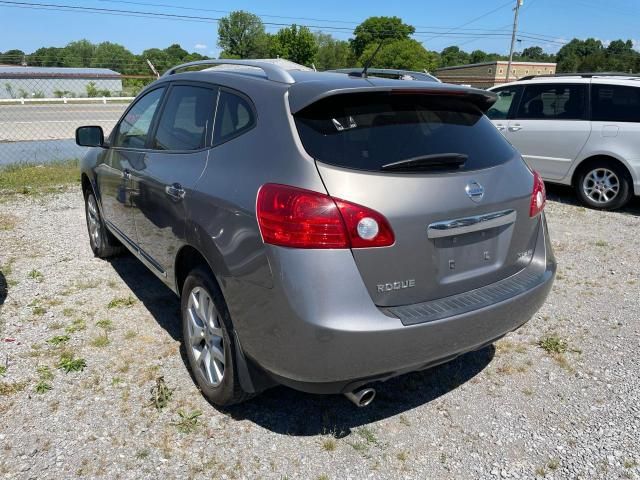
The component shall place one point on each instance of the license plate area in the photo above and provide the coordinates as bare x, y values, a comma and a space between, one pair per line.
470, 255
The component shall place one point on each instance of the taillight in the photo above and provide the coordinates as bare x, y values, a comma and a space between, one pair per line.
538, 196
298, 218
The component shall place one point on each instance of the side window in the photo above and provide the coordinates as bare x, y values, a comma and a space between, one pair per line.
615, 103
186, 118
134, 127
553, 102
233, 117
506, 97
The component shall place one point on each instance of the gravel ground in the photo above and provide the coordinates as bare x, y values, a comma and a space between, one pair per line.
514, 410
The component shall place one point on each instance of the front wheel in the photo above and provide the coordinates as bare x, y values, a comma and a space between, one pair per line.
604, 185
208, 338
103, 243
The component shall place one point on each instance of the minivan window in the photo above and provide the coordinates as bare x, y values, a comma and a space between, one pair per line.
134, 127
186, 118
615, 103
506, 96
553, 102
234, 116
366, 131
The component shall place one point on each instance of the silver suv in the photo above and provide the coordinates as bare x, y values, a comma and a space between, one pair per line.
581, 130
323, 232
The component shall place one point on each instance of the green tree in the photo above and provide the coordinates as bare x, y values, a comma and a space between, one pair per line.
296, 44
46, 57
375, 29
12, 57
242, 35
332, 53
452, 56
116, 57
78, 54
578, 55
405, 54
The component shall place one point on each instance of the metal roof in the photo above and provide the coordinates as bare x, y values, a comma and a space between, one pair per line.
56, 72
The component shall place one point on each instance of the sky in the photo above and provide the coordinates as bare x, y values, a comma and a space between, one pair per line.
471, 24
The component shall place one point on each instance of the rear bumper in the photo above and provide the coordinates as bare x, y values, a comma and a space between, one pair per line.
336, 339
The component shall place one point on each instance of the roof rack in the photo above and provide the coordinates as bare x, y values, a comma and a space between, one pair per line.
273, 72
582, 75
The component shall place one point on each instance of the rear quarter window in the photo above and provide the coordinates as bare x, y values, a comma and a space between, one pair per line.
615, 103
367, 131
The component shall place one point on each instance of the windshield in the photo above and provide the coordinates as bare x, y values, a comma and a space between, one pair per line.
366, 131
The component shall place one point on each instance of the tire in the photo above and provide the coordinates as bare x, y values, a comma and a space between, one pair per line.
603, 185
103, 243
208, 336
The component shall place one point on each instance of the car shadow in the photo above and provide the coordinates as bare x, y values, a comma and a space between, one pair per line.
565, 194
4, 288
289, 412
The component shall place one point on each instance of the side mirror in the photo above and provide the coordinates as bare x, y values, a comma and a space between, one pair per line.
90, 136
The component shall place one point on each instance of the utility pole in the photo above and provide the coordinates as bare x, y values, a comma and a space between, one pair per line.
513, 35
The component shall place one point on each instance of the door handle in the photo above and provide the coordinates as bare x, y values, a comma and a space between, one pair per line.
126, 174
175, 191
500, 127
515, 128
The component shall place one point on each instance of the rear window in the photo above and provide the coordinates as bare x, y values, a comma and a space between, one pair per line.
615, 103
367, 131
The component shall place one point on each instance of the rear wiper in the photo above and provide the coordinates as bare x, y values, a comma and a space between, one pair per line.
435, 161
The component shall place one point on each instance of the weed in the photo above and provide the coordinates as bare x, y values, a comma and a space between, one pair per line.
402, 456
43, 387
630, 463
76, 326
39, 310
404, 421
329, 444
367, 434
55, 325
69, 363
68, 312
7, 221
58, 340
3, 370
188, 421
36, 275
129, 334
100, 341
44, 373
121, 302
142, 454
553, 344
106, 325
11, 388
553, 464
160, 394
541, 472
116, 381
601, 243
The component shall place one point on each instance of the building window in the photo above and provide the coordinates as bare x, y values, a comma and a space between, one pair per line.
490, 71
502, 70
526, 72
538, 72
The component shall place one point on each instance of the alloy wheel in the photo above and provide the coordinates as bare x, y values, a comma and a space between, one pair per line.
601, 185
93, 221
205, 337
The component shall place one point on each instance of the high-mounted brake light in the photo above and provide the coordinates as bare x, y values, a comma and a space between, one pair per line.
298, 218
538, 196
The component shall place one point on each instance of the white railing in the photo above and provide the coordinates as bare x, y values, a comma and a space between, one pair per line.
65, 100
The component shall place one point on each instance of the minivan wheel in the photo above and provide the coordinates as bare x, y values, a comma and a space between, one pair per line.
208, 339
103, 243
603, 185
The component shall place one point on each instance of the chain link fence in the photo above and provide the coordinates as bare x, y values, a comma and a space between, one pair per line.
41, 107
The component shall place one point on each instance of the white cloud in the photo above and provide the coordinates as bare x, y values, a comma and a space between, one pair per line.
200, 46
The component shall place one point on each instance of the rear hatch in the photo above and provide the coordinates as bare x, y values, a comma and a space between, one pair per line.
459, 210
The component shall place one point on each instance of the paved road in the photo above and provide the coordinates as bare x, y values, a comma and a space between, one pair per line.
43, 133
54, 122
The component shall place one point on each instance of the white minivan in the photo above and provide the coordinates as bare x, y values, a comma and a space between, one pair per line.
577, 129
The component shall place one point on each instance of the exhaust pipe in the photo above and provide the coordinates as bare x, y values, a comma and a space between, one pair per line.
361, 397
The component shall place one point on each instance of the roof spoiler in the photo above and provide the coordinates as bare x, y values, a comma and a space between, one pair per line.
482, 99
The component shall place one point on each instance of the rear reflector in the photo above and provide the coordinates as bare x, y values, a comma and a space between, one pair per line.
538, 196
297, 218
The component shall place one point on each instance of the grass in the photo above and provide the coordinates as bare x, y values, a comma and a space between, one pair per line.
36, 275
7, 389
8, 221
129, 334
188, 422
58, 340
121, 302
553, 464
160, 394
43, 387
329, 444
553, 344
30, 179
100, 341
76, 326
39, 310
44, 373
106, 325
630, 463
601, 243
69, 363
3, 370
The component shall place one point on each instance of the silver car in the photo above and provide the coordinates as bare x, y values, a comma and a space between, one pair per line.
577, 129
323, 232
